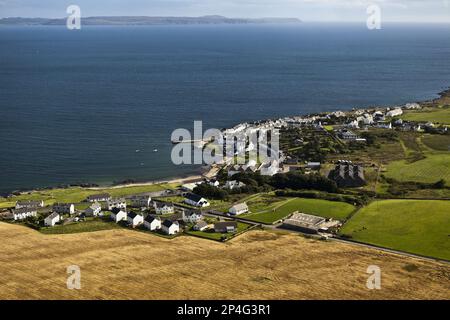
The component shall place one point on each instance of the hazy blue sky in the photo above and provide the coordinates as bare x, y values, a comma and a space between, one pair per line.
308, 10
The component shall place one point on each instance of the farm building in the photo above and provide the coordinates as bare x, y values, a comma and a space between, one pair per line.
29, 204
64, 208
98, 197
225, 227
140, 201
152, 223
238, 209
52, 219
118, 214
117, 203
135, 219
313, 165
348, 175
23, 213
303, 222
196, 200
163, 208
170, 227
348, 135
94, 209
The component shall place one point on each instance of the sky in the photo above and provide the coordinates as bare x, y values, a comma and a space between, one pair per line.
307, 10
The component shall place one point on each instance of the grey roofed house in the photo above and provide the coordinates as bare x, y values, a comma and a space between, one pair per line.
200, 225
52, 215
226, 226
150, 218
158, 204
24, 210
98, 197
116, 210
29, 204
348, 175
132, 214
193, 197
168, 223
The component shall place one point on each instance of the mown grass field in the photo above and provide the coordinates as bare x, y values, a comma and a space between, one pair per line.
123, 264
268, 209
416, 226
432, 115
77, 194
429, 170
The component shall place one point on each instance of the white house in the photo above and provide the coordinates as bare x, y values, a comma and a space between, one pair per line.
52, 219
152, 223
135, 219
140, 201
170, 227
196, 200
238, 209
163, 208
394, 113
116, 203
201, 226
63, 208
118, 214
192, 217
214, 183
23, 213
98, 197
29, 204
94, 209
353, 124
233, 184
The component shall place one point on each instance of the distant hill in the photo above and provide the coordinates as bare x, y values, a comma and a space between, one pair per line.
136, 21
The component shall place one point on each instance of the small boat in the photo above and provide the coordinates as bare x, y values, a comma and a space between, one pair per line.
155, 150
137, 150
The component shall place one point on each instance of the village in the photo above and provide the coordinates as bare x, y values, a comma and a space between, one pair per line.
331, 168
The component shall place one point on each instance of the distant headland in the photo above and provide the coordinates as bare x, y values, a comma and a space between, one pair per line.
144, 20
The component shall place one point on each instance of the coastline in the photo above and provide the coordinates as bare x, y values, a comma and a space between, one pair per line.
208, 171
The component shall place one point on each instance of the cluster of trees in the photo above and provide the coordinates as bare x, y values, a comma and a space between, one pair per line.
352, 199
398, 188
211, 192
255, 182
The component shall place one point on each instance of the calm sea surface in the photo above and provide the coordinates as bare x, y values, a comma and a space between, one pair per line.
76, 105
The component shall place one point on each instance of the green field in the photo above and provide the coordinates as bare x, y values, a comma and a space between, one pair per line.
415, 226
78, 227
432, 115
429, 170
77, 194
437, 142
268, 209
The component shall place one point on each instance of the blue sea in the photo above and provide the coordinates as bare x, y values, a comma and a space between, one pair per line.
76, 105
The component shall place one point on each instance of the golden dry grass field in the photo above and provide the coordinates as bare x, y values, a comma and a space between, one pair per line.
122, 264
